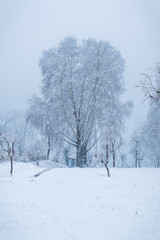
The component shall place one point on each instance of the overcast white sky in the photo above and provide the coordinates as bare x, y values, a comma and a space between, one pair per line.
27, 27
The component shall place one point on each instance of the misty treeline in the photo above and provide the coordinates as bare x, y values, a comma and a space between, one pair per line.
79, 112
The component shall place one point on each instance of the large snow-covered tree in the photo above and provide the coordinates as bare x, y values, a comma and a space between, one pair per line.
4, 122
151, 135
81, 88
150, 85
39, 117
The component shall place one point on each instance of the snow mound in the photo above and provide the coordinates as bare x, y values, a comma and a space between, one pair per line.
20, 169
50, 164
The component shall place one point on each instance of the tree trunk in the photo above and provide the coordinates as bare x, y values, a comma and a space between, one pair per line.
81, 155
139, 163
49, 147
157, 164
136, 159
11, 161
114, 155
106, 164
114, 159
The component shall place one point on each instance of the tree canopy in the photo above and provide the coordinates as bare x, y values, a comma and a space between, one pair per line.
80, 93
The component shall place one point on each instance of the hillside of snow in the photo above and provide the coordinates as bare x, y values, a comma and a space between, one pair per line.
79, 204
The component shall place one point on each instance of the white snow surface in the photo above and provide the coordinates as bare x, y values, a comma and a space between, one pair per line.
79, 204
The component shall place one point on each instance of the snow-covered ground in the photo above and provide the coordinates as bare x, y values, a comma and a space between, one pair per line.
79, 204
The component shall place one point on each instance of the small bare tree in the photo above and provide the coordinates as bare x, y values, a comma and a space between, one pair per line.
9, 148
106, 162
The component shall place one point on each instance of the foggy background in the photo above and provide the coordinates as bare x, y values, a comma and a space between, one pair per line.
29, 27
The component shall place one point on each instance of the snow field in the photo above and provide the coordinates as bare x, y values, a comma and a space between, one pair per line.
79, 204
